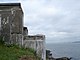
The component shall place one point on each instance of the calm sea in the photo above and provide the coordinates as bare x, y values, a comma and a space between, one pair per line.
65, 50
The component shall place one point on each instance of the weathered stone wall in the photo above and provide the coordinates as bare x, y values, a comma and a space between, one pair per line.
17, 26
17, 21
16, 39
35, 42
0, 25
5, 25
11, 23
37, 45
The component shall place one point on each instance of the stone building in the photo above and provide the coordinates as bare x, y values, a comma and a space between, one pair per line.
11, 17
13, 32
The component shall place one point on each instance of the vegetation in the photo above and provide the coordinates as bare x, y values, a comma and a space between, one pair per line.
13, 52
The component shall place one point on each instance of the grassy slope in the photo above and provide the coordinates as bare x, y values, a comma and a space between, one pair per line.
14, 52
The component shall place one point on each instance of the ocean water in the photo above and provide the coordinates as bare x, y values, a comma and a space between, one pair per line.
65, 50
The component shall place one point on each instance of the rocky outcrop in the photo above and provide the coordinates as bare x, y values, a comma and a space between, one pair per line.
63, 58
50, 57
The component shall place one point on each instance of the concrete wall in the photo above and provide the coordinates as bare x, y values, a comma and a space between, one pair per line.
11, 23
5, 25
0, 25
17, 26
17, 21
36, 42
17, 39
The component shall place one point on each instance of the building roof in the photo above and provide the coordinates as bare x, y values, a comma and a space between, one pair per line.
10, 4
7, 6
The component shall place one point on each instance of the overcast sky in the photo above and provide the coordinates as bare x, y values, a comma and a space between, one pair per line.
59, 20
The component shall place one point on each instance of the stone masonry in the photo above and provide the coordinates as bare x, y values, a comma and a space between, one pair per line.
11, 18
0, 25
36, 42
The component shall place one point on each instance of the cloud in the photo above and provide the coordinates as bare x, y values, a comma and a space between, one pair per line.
58, 19
9, 1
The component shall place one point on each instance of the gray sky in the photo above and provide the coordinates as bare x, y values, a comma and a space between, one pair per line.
59, 20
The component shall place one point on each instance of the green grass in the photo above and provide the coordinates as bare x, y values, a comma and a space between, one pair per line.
14, 52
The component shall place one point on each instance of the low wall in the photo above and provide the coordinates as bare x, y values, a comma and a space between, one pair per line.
36, 43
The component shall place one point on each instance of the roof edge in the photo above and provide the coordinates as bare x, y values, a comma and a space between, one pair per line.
10, 4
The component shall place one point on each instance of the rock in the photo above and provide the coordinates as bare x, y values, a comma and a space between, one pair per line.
63, 58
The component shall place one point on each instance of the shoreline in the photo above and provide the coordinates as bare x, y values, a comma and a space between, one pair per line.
49, 56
